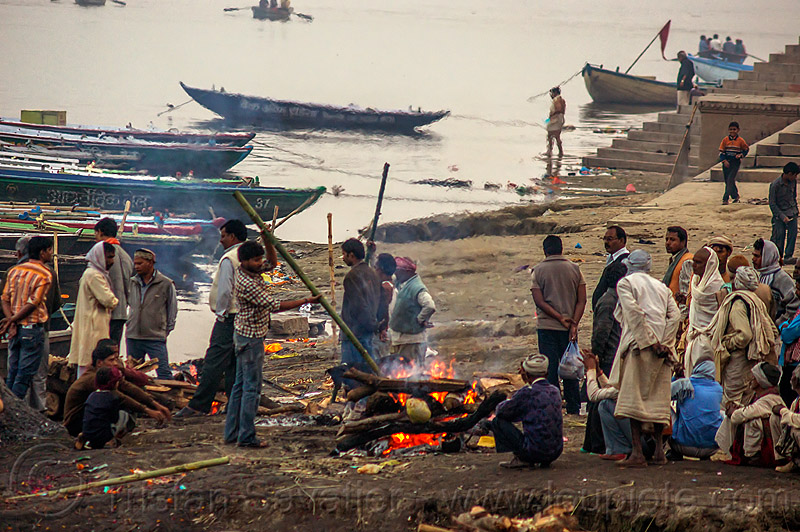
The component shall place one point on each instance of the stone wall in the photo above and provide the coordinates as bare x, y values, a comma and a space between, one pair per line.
758, 117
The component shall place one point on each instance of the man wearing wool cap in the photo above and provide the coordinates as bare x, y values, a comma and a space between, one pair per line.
538, 406
413, 308
153, 310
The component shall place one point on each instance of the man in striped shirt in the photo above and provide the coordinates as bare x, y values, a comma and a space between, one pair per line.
24, 302
732, 150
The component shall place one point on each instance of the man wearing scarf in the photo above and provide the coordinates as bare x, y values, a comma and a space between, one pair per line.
747, 433
766, 260
412, 311
697, 415
706, 282
643, 367
119, 275
675, 242
743, 335
93, 306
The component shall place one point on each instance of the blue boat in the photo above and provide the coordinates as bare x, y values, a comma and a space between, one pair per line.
254, 110
716, 70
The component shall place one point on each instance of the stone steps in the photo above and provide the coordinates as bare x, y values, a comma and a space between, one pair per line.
661, 127
643, 166
632, 155
760, 86
785, 150
749, 175
769, 77
744, 92
777, 68
666, 138
772, 161
789, 138
675, 118
641, 145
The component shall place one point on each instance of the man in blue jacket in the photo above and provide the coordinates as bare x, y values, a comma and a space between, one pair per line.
698, 416
538, 406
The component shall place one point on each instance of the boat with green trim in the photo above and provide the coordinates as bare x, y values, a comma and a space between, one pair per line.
180, 197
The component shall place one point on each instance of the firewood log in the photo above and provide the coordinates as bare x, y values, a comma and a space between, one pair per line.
383, 384
356, 394
370, 423
347, 442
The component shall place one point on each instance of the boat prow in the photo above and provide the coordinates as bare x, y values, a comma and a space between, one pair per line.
717, 71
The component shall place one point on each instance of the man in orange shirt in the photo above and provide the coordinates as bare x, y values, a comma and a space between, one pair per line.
24, 304
675, 242
732, 150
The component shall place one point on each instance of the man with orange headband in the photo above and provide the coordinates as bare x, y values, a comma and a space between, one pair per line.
412, 312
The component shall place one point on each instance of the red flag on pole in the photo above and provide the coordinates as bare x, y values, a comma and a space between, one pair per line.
663, 35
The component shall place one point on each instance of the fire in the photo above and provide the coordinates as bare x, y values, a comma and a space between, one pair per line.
402, 441
193, 370
214, 407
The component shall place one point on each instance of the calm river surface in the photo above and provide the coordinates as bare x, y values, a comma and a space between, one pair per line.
112, 65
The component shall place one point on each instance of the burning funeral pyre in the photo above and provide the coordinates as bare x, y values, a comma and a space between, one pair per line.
416, 405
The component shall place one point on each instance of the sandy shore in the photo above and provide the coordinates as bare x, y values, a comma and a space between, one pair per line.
484, 321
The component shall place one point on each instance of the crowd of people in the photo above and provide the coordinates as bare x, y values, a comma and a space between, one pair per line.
704, 363
729, 50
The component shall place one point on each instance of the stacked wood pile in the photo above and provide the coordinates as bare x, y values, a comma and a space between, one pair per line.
422, 413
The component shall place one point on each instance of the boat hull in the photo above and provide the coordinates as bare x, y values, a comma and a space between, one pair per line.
155, 158
277, 13
218, 139
607, 86
86, 3
106, 193
253, 110
715, 71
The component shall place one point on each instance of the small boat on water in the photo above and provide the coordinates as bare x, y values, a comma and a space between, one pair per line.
107, 193
153, 157
218, 139
716, 71
254, 110
272, 13
609, 86
88, 3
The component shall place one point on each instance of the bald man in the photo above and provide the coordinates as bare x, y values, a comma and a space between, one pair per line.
706, 282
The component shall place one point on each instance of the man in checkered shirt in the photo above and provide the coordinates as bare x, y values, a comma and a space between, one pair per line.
250, 327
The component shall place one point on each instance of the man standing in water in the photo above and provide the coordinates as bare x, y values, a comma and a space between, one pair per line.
219, 359
555, 122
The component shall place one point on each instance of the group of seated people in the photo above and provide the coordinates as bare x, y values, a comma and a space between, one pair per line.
714, 48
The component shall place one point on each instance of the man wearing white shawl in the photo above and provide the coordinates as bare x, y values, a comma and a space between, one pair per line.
643, 366
742, 335
93, 306
706, 282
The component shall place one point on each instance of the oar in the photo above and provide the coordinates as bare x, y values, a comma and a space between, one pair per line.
756, 58
120, 2
304, 16
235, 8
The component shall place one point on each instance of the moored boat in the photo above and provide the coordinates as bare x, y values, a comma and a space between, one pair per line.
86, 3
102, 192
608, 86
254, 110
154, 157
272, 13
715, 70
218, 139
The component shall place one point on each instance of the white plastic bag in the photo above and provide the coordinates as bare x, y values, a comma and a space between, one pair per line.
571, 364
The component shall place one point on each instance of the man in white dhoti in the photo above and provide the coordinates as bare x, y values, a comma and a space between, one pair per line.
643, 366
706, 282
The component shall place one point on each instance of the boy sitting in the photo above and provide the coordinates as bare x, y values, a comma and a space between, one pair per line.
103, 420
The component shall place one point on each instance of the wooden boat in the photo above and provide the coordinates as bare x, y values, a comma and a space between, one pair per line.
218, 139
272, 13
254, 110
107, 193
87, 3
608, 86
716, 71
153, 157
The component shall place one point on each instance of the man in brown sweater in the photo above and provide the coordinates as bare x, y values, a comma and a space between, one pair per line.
134, 399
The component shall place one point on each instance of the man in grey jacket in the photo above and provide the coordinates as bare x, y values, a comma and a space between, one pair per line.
154, 307
120, 274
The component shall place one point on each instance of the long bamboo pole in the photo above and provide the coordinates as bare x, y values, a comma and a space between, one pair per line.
301, 274
331, 269
647, 47
124, 218
378, 209
144, 475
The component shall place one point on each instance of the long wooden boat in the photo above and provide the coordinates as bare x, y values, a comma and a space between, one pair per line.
217, 139
88, 3
608, 86
272, 13
107, 193
254, 110
716, 71
153, 157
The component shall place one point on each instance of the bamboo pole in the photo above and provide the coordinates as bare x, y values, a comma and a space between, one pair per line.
274, 220
679, 170
301, 274
378, 209
128, 478
330, 268
305, 204
124, 217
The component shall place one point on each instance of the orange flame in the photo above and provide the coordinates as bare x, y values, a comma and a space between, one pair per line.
214, 408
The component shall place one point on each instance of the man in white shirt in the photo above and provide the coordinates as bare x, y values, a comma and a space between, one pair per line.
614, 241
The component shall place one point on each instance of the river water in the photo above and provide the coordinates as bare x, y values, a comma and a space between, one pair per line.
112, 65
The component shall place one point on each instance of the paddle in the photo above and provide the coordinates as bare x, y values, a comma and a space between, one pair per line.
120, 2
235, 8
304, 16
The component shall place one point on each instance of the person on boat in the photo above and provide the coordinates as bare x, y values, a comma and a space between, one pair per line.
740, 50
703, 47
555, 122
715, 45
286, 4
119, 275
685, 76
728, 48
